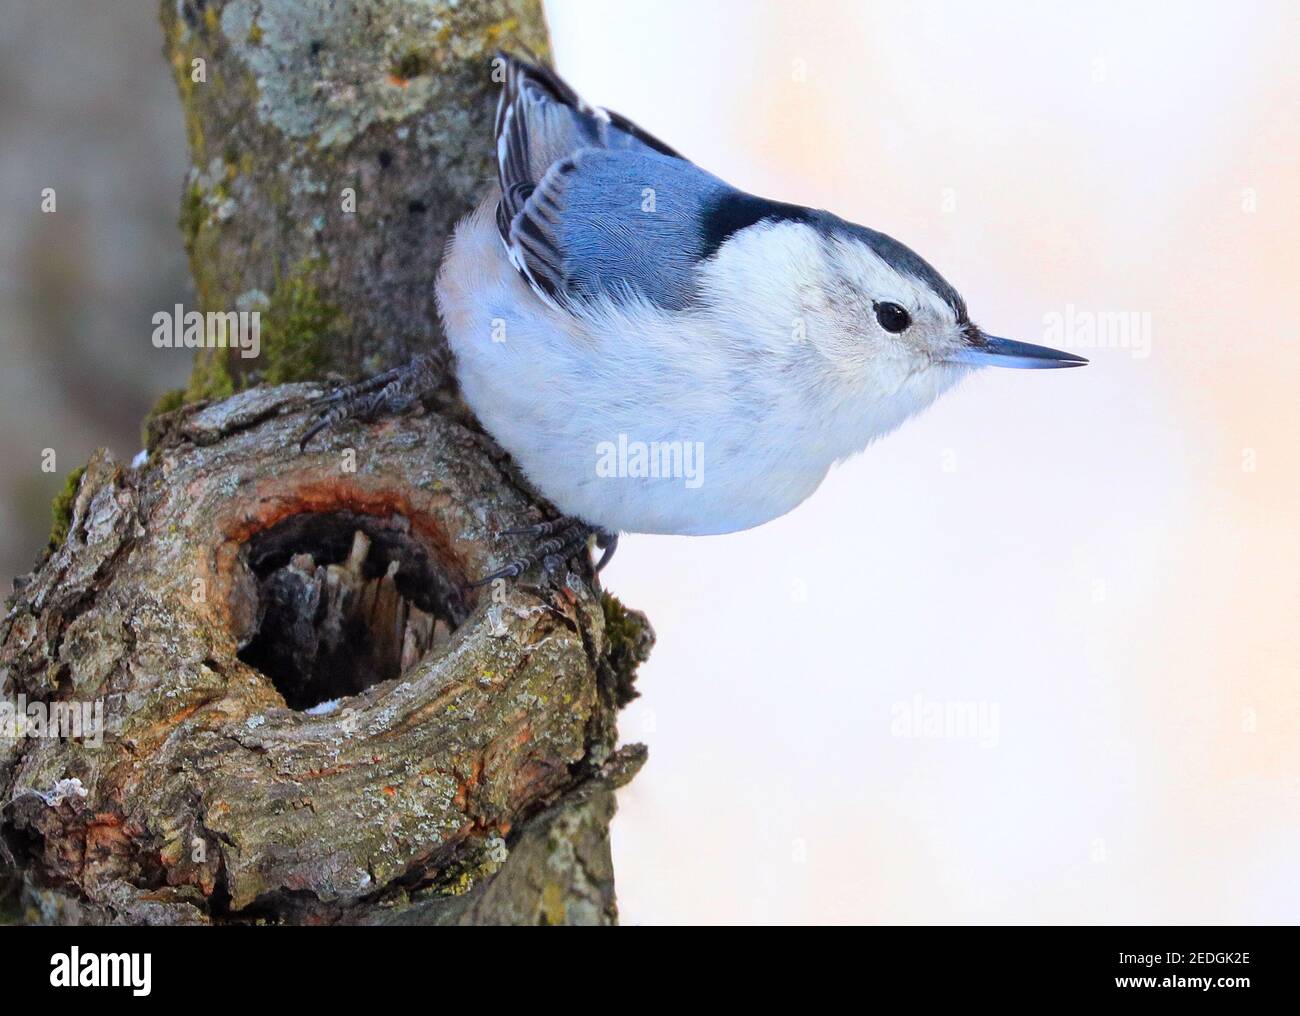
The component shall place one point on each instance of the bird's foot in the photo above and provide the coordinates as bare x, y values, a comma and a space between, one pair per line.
560, 538
387, 394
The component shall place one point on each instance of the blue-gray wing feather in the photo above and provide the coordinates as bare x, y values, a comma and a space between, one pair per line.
619, 224
590, 203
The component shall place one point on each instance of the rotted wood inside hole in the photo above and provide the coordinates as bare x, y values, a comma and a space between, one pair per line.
344, 601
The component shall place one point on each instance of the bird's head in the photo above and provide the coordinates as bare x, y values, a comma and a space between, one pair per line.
881, 307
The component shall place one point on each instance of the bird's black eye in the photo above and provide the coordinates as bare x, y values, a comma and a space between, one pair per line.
892, 317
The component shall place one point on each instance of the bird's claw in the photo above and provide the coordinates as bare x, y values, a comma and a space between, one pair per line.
388, 393
563, 536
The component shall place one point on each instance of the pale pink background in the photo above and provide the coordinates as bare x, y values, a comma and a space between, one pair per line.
1100, 565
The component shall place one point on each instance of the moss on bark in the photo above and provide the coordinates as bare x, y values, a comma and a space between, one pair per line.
61, 508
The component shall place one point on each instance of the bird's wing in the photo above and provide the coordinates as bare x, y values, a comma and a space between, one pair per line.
591, 204
540, 119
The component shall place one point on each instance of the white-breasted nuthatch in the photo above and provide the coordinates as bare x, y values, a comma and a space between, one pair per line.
663, 353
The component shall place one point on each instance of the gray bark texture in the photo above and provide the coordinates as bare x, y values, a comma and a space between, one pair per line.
310, 716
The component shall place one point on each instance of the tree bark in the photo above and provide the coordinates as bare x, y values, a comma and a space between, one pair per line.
310, 716
334, 144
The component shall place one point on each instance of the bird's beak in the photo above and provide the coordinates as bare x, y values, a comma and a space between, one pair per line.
990, 351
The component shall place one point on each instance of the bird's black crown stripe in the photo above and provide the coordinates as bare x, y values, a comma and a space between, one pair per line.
731, 213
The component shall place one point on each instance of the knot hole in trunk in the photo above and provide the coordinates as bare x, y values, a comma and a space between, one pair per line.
345, 600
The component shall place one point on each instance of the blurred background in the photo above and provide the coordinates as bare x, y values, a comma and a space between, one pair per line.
1033, 658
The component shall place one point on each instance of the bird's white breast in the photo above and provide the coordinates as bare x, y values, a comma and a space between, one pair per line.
718, 401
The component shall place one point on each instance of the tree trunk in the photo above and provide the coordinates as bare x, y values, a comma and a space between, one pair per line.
309, 715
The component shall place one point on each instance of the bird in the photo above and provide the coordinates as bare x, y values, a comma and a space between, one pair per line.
664, 353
